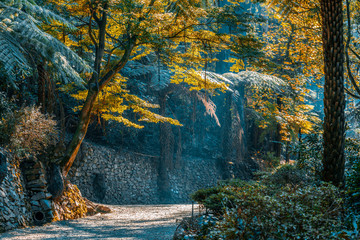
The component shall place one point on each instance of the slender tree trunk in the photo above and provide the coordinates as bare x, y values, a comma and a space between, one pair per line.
79, 135
278, 144
166, 155
41, 94
227, 141
334, 97
287, 153
300, 144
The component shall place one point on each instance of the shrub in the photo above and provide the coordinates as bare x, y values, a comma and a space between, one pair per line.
287, 174
217, 198
310, 212
33, 132
270, 210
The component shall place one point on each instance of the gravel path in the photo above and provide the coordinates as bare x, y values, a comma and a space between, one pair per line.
145, 222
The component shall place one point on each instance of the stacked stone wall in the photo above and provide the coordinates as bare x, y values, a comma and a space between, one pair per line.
106, 175
14, 209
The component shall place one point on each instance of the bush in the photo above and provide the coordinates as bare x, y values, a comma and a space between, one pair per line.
287, 174
216, 199
310, 151
32, 131
274, 210
309, 212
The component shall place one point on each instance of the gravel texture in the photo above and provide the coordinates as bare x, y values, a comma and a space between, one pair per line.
146, 222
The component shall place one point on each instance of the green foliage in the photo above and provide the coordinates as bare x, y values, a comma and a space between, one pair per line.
289, 213
353, 173
217, 198
286, 204
22, 40
287, 174
310, 150
290, 202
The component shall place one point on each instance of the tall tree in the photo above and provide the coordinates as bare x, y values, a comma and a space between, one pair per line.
179, 33
334, 96
331, 23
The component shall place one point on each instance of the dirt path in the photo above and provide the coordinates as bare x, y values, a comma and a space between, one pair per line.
145, 222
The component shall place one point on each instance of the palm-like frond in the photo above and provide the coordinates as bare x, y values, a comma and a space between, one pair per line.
260, 80
248, 78
11, 55
22, 40
26, 6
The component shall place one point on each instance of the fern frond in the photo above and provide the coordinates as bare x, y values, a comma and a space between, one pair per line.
135, 69
160, 80
48, 45
11, 56
23, 31
251, 78
26, 6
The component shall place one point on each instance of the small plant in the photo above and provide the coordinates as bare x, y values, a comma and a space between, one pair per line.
309, 153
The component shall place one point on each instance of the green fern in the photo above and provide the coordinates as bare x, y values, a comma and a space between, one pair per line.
23, 42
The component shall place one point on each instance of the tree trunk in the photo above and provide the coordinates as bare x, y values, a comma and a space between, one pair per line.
41, 94
334, 97
227, 143
96, 84
79, 135
277, 143
166, 155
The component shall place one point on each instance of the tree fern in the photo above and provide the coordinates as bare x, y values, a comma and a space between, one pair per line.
11, 55
22, 41
251, 78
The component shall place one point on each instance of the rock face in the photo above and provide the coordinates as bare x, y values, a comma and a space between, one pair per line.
14, 211
108, 176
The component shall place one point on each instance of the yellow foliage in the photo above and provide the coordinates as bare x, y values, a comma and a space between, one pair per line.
113, 100
294, 43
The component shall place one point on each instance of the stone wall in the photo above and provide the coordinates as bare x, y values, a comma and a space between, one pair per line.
108, 176
14, 211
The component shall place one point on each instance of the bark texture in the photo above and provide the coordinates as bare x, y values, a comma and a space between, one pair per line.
334, 97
